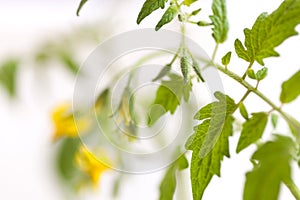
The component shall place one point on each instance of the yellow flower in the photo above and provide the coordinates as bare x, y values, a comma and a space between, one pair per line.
89, 164
64, 122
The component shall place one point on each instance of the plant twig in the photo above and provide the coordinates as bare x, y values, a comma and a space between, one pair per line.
254, 90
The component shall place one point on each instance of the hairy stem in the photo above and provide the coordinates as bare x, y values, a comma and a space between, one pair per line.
257, 92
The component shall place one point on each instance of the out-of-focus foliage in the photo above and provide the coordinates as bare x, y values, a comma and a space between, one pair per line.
8, 76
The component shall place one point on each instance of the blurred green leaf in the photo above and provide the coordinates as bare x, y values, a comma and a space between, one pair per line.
102, 99
269, 31
195, 12
219, 20
65, 158
168, 184
68, 60
274, 120
164, 71
252, 130
290, 89
189, 2
210, 142
263, 182
8, 75
148, 7
167, 17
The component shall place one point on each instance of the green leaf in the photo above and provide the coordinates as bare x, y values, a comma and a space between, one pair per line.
185, 65
168, 96
251, 74
261, 74
167, 17
168, 184
243, 111
195, 12
269, 31
148, 7
102, 99
263, 182
219, 20
68, 60
189, 2
226, 58
252, 130
163, 72
81, 4
8, 73
65, 158
203, 23
294, 126
240, 50
197, 70
274, 120
290, 89
210, 142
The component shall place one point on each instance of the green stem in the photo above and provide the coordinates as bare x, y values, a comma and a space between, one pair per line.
244, 97
174, 57
252, 89
293, 188
249, 67
213, 57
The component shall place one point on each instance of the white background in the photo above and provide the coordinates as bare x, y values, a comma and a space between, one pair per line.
26, 151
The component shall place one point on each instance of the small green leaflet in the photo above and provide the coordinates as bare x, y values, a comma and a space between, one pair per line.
197, 70
167, 17
189, 2
168, 96
168, 184
148, 7
251, 74
81, 4
210, 142
263, 182
252, 130
8, 75
243, 111
274, 120
261, 74
219, 20
268, 32
290, 89
195, 12
226, 58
